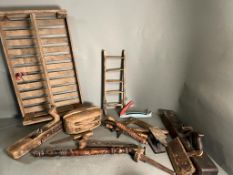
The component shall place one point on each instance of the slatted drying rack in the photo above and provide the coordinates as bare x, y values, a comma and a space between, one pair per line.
38, 51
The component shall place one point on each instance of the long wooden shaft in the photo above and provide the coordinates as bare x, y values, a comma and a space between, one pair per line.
80, 152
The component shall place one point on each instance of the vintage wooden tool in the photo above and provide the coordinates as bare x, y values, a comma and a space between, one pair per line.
180, 158
109, 143
106, 80
123, 128
80, 123
191, 141
94, 147
34, 139
37, 43
157, 138
139, 155
80, 152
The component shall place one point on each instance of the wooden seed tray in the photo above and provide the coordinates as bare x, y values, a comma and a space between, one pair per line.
39, 55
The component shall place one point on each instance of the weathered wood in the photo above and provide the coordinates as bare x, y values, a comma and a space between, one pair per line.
191, 141
29, 46
125, 129
114, 70
80, 121
114, 92
179, 158
67, 101
42, 60
5, 50
26, 12
120, 92
81, 152
33, 140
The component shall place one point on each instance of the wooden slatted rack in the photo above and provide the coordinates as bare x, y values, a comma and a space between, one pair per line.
38, 51
120, 92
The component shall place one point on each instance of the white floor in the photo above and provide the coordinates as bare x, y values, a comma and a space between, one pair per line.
11, 130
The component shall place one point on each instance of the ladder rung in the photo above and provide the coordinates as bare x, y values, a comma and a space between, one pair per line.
115, 57
114, 92
114, 81
112, 104
114, 70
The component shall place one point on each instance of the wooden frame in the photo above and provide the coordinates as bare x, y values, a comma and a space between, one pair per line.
40, 59
105, 80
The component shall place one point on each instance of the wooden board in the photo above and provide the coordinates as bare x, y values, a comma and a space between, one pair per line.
30, 40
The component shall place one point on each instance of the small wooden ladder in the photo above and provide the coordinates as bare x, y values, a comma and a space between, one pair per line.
119, 81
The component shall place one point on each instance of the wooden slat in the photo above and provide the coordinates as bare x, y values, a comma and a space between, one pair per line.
38, 12
27, 69
45, 41
67, 95
50, 22
30, 94
58, 66
17, 52
25, 42
52, 67
8, 24
67, 102
34, 101
36, 119
62, 81
114, 70
30, 78
57, 57
34, 60
25, 15
114, 92
18, 33
113, 81
57, 31
115, 57
24, 61
56, 49
35, 85
35, 109
61, 74
64, 88
113, 104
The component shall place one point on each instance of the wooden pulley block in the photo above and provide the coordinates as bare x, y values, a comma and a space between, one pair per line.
81, 120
